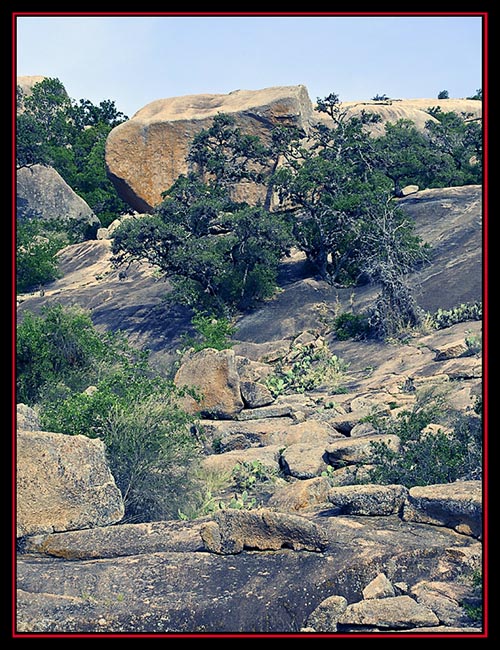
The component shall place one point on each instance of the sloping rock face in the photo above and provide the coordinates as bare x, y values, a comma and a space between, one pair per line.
450, 219
408, 109
63, 483
159, 590
41, 192
146, 154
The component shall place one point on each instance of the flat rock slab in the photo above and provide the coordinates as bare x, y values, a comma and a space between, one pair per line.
359, 449
455, 505
303, 460
300, 495
368, 500
253, 591
268, 456
119, 541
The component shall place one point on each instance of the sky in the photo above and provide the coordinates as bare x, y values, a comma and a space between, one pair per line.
137, 59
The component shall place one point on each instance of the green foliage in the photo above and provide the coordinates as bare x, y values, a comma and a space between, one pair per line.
351, 326
306, 369
36, 255
333, 181
247, 474
428, 456
478, 95
443, 318
147, 436
219, 255
52, 129
149, 440
443, 94
59, 347
211, 332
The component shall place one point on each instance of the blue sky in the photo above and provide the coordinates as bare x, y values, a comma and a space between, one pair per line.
135, 60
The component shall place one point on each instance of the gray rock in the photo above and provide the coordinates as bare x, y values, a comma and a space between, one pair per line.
358, 450
451, 350
362, 429
446, 599
303, 460
326, 615
43, 193
408, 190
255, 394
300, 495
399, 612
63, 483
379, 587
368, 500
264, 412
454, 505
120, 540
234, 530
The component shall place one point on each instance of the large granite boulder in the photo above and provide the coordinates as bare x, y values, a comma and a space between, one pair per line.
42, 193
146, 154
63, 483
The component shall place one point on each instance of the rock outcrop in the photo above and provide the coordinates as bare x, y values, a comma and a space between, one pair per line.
146, 154
63, 483
214, 377
235, 530
415, 110
42, 193
193, 591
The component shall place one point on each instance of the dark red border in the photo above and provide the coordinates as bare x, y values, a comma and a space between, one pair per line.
484, 15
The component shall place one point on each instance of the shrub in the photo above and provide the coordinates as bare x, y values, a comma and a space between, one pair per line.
351, 326
305, 369
248, 474
36, 250
210, 333
428, 457
149, 440
443, 94
61, 347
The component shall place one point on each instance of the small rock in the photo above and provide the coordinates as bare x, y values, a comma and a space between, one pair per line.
264, 412
255, 394
326, 615
407, 190
27, 419
303, 460
368, 500
358, 450
300, 494
452, 505
398, 612
451, 350
379, 587
363, 429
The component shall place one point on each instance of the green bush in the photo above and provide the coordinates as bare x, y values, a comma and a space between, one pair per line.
211, 332
428, 457
36, 250
149, 439
308, 369
59, 347
351, 326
